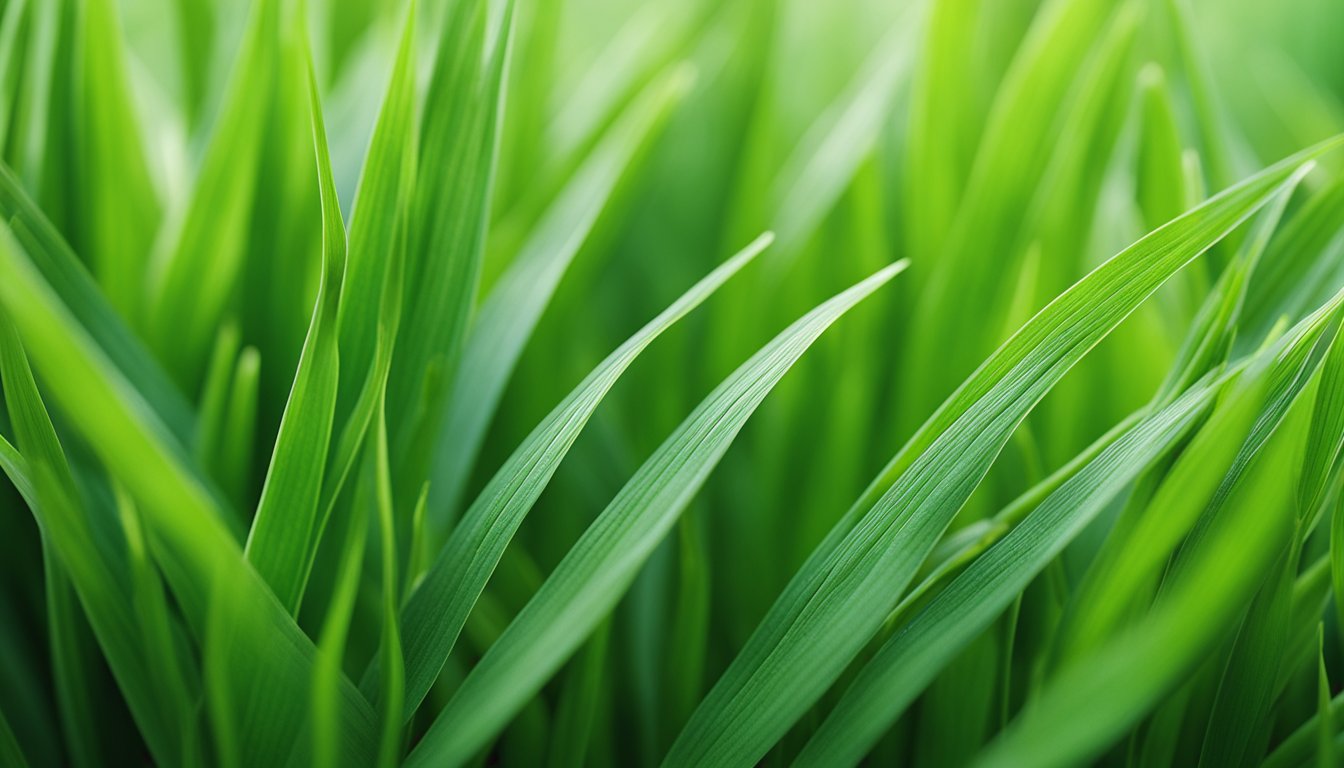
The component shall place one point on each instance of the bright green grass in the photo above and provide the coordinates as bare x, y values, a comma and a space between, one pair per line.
681, 382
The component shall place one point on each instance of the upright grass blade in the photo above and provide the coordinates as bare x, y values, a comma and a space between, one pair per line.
391, 664
194, 549
840, 598
121, 209
1007, 168
371, 296
577, 707
941, 145
438, 607
12, 26
459, 136
331, 645
510, 313
1325, 729
70, 662
825, 162
591, 578
200, 255
286, 530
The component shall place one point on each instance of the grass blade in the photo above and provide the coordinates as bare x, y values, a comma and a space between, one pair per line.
600, 567
510, 313
438, 608
286, 530
910, 660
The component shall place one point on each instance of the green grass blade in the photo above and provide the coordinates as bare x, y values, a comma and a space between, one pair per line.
120, 206
197, 268
1008, 167
371, 293
1138, 666
600, 567
1325, 722
1325, 449
286, 530
12, 28
459, 139
327, 675
510, 313
240, 420
825, 162
438, 608
1240, 721
391, 663
1304, 743
1160, 190
939, 148
855, 577
910, 660
70, 662
577, 707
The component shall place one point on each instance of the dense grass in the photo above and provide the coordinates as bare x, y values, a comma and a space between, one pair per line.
527, 382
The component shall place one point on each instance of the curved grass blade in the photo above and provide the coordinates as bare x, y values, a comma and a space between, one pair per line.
1137, 548
286, 529
510, 313
596, 572
840, 598
437, 609
932, 639
378, 225
1103, 693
